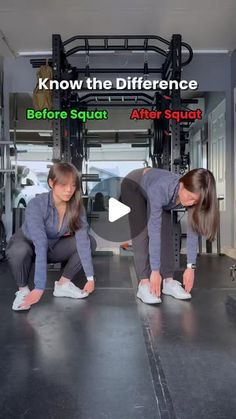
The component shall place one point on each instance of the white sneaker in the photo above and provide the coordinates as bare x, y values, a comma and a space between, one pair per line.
20, 295
146, 296
175, 289
68, 290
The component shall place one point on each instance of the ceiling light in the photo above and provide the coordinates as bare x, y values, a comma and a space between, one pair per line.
49, 53
42, 132
45, 134
185, 51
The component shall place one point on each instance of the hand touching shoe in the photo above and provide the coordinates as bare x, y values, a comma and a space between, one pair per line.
188, 279
32, 298
155, 283
89, 286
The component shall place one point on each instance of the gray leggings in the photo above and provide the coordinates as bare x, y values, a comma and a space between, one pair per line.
133, 196
20, 255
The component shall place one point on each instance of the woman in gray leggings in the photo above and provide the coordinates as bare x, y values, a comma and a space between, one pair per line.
151, 194
55, 230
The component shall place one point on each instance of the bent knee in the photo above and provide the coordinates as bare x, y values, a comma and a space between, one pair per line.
18, 251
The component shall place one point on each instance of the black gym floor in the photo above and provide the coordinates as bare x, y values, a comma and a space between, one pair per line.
111, 357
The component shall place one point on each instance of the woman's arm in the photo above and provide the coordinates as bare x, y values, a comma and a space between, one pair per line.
192, 247
35, 231
84, 247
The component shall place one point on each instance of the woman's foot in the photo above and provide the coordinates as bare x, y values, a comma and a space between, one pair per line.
175, 289
68, 289
145, 295
19, 300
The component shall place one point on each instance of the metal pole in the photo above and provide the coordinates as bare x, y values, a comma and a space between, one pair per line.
56, 124
218, 239
175, 135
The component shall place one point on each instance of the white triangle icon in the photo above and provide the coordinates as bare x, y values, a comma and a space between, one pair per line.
116, 210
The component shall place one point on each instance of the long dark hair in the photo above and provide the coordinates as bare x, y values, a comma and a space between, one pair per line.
57, 173
203, 217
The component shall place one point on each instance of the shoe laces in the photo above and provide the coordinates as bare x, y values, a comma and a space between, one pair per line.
66, 284
72, 286
20, 293
174, 283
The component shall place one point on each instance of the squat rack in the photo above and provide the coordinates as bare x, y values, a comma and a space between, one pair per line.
68, 141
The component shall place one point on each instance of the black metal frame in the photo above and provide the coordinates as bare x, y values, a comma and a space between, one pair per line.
171, 69
56, 126
144, 45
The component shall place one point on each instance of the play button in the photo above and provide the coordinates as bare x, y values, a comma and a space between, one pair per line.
109, 212
117, 210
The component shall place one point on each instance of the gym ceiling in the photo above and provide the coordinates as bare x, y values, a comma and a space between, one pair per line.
204, 24
27, 26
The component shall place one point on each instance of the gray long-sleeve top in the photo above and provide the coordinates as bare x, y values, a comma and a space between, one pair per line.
161, 189
41, 227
